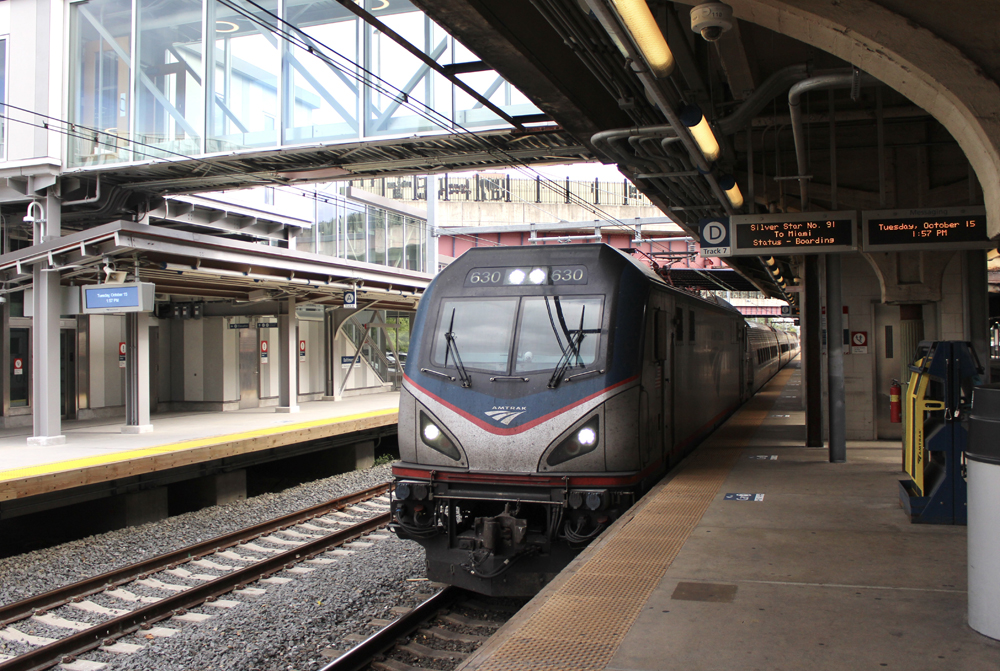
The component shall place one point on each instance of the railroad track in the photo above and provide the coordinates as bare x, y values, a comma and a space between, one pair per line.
438, 634
299, 537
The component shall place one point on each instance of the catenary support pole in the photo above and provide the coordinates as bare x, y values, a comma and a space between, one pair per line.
432, 223
835, 361
813, 354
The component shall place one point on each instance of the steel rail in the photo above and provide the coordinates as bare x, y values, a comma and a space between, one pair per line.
63, 595
64, 649
361, 655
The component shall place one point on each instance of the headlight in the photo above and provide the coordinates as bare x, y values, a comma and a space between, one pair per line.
434, 438
516, 276
537, 276
580, 442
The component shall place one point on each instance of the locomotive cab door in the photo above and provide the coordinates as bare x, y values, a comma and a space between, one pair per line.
656, 375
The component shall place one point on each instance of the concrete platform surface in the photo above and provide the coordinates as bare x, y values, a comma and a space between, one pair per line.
826, 572
99, 448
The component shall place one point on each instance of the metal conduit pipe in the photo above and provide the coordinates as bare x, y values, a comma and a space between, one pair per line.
678, 191
688, 189
682, 192
769, 89
578, 31
823, 82
659, 98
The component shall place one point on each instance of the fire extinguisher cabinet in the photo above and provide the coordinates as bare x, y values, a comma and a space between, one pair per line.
983, 458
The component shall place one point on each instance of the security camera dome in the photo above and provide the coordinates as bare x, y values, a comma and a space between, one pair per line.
712, 33
711, 19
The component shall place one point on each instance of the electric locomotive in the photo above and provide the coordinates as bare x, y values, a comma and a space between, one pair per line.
545, 390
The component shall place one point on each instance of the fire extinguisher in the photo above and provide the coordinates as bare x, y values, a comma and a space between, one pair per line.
895, 407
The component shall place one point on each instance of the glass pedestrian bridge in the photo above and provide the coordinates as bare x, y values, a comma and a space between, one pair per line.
169, 79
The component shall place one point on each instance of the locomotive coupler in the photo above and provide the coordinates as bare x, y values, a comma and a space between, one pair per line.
503, 534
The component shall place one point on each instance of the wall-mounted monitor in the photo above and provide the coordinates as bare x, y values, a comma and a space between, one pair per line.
117, 298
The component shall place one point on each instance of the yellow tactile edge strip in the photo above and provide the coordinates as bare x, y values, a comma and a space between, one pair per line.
18, 482
586, 617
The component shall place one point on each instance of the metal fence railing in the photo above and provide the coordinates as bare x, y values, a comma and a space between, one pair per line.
504, 188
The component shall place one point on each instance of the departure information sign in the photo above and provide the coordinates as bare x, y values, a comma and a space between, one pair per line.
115, 298
925, 229
793, 233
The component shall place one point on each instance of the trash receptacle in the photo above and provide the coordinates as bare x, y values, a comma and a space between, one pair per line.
983, 458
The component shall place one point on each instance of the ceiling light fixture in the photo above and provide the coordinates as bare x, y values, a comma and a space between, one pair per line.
732, 189
696, 122
646, 34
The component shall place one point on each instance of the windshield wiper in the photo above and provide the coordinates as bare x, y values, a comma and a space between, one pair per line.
571, 349
453, 350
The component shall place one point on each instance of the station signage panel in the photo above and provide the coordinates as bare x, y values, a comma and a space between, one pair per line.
116, 298
715, 239
925, 229
793, 233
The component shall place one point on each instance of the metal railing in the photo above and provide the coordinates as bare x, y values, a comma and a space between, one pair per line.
504, 188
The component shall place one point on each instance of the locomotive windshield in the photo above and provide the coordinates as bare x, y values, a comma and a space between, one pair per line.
549, 330
550, 326
483, 330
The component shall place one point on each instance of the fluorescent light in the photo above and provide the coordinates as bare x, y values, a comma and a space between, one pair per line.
696, 122
647, 35
732, 189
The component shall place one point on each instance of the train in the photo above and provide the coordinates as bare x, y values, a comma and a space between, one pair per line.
546, 389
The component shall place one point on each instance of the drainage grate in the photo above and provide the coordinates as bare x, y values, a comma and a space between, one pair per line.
584, 621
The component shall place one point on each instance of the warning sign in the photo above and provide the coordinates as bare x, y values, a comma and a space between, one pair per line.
744, 497
859, 342
263, 351
121, 354
302, 350
18, 366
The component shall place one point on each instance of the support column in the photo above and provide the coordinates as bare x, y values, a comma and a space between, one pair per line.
978, 307
288, 364
45, 357
813, 354
837, 412
46, 300
137, 373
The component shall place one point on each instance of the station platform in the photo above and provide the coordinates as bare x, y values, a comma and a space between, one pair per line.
97, 453
818, 568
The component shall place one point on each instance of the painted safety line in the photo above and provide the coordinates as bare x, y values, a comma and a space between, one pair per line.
105, 459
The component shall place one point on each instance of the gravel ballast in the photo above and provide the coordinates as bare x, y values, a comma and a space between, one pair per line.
289, 627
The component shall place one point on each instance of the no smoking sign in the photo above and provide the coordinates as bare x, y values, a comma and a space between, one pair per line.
859, 342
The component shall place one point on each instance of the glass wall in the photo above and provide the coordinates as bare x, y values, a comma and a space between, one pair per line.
321, 75
20, 362
351, 230
101, 65
169, 117
3, 95
323, 86
245, 53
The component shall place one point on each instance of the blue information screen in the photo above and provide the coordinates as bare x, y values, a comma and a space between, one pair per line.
112, 297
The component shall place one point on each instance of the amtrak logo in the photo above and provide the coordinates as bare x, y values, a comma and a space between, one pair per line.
505, 414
